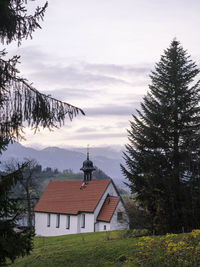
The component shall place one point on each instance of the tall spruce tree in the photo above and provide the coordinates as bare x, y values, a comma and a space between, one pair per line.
163, 155
20, 105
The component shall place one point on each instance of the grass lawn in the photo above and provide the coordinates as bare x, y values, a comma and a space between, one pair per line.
114, 249
91, 249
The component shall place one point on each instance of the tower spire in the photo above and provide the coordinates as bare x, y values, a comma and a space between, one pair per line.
87, 168
88, 147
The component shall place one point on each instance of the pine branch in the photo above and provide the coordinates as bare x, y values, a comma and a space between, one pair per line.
15, 24
21, 103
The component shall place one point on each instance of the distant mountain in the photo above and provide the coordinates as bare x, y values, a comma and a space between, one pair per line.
105, 158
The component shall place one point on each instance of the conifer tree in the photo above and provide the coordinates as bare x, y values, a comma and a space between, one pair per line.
20, 105
162, 157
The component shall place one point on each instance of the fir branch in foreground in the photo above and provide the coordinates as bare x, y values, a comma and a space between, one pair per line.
21, 103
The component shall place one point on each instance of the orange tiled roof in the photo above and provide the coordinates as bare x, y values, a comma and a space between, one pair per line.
67, 197
108, 209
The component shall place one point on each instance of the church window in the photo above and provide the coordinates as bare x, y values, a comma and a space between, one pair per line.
67, 222
119, 216
83, 221
48, 219
57, 220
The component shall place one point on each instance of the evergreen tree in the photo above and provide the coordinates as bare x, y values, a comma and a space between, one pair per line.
13, 243
20, 105
162, 158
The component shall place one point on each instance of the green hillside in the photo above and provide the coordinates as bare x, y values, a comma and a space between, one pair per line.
118, 248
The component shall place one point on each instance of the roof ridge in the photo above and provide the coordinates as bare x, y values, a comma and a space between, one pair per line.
55, 181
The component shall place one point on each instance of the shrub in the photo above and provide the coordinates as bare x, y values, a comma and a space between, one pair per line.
169, 250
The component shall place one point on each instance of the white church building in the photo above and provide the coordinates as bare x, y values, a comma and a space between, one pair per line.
70, 207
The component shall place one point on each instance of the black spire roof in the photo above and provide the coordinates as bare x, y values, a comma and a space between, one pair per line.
87, 168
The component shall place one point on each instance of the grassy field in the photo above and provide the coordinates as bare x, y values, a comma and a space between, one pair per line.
114, 249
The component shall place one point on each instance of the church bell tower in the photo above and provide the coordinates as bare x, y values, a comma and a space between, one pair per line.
87, 168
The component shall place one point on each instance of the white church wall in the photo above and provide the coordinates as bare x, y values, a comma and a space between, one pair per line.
103, 226
123, 223
78, 226
89, 223
96, 226
41, 228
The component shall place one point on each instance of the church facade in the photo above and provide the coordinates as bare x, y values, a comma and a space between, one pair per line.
70, 207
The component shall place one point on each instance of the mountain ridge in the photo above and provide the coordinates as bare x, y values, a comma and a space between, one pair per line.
105, 158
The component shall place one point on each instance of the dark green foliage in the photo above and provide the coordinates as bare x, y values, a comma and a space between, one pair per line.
138, 217
162, 157
12, 243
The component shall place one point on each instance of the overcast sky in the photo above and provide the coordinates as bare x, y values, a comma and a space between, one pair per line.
97, 55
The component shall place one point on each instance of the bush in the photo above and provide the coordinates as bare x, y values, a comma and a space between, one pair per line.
136, 233
169, 250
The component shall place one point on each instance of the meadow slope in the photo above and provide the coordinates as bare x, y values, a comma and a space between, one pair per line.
117, 248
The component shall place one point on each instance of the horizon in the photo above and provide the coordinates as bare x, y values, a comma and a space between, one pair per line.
114, 147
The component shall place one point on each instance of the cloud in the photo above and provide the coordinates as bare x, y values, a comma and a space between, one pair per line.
97, 136
50, 71
73, 76
112, 110
86, 130
122, 124
66, 93
31, 58
101, 90
112, 69
115, 126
